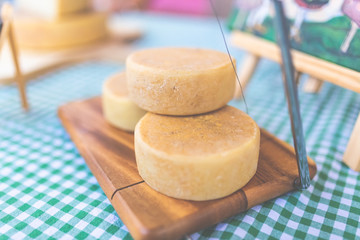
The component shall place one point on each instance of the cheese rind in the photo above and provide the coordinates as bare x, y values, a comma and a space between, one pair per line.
37, 33
199, 157
180, 81
51, 9
118, 109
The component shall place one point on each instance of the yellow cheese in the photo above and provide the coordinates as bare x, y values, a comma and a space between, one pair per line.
118, 109
52, 8
198, 157
180, 81
37, 33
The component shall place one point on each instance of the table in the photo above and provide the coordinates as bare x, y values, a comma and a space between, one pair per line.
47, 190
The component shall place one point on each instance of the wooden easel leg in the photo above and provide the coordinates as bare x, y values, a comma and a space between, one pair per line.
352, 152
297, 76
4, 33
312, 85
18, 77
245, 72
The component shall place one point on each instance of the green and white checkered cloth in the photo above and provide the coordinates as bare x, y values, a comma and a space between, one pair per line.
47, 190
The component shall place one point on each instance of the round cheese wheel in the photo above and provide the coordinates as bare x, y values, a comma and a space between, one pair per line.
180, 81
200, 157
51, 9
37, 33
118, 109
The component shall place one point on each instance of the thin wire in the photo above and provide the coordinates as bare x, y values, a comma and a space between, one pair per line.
227, 49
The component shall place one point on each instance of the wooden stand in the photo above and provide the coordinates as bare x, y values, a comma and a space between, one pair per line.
248, 67
247, 70
297, 77
50, 61
109, 153
304, 63
312, 85
352, 153
317, 69
8, 33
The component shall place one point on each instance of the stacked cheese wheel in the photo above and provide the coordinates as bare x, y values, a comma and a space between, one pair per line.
190, 145
118, 109
57, 24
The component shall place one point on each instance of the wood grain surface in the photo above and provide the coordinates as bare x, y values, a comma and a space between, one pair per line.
109, 153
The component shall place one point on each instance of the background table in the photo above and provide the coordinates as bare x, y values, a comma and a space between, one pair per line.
47, 191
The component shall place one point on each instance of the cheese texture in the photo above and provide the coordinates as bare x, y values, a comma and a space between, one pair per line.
37, 33
198, 157
118, 109
51, 9
180, 81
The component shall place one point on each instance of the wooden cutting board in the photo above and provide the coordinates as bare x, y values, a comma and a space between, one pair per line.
109, 153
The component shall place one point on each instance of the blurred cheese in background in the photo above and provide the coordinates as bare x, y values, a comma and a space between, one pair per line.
53, 8
65, 37
57, 24
36, 33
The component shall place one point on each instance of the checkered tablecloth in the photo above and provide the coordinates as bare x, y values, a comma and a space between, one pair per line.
47, 190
